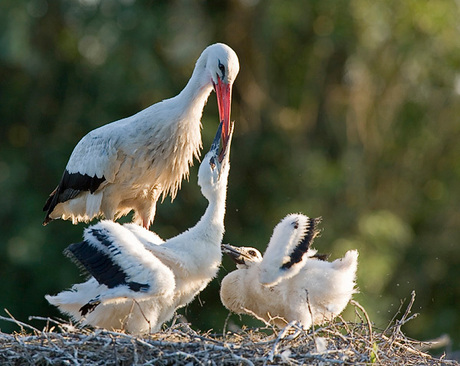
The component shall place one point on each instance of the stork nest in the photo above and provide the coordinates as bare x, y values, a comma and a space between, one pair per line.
339, 342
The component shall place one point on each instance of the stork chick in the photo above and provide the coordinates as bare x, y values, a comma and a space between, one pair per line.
291, 282
138, 280
128, 164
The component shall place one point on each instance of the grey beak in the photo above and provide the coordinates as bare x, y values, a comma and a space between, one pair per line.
233, 252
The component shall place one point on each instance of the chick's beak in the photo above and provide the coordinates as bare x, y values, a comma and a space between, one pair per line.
233, 252
226, 142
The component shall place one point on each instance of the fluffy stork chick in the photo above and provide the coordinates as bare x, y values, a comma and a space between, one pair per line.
138, 280
291, 282
128, 164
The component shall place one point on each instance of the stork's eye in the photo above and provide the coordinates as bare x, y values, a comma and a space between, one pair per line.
252, 253
222, 69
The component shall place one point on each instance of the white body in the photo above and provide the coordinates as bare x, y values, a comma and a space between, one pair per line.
146, 155
327, 287
175, 270
315, 292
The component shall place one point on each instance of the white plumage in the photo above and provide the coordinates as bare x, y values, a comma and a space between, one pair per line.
290, 282
139, 280
126, 165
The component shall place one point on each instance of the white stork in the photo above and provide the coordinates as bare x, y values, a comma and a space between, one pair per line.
138, 280
290, 282
127, 164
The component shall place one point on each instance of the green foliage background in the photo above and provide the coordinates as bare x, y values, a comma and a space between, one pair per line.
347, 110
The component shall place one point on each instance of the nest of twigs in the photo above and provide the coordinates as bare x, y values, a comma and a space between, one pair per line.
338, 342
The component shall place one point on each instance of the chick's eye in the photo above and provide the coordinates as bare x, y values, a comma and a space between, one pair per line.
212, 163
252, 253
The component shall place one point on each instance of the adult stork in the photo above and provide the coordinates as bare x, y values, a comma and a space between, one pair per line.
128, 164
138, 280
290, 282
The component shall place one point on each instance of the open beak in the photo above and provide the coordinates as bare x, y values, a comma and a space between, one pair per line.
233, 252
216, 142
226, 142
224, 102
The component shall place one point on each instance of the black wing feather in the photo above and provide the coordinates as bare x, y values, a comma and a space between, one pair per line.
70, 186
321, 257
101, 264
97, 264
305, 243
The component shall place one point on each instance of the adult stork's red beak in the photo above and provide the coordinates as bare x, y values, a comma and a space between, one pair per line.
224, 102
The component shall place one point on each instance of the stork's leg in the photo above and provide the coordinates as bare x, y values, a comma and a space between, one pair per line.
146, 206
148, 215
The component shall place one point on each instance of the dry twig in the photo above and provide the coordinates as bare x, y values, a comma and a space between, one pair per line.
345, 343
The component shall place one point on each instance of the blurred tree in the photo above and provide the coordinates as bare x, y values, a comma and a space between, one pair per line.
345, 110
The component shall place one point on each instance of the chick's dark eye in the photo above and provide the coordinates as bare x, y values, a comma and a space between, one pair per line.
212, 163
252, 253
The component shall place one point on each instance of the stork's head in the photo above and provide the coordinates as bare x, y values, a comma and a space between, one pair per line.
287, 251
244, 257
222, 66
213, 171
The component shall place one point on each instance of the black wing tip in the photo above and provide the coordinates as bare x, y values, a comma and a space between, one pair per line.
100, 265
70, 186
49, 206
49, 200
312, 232
302, 247
70, 251
315, 230
47, 220
89, 307
138, 287
321, 257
